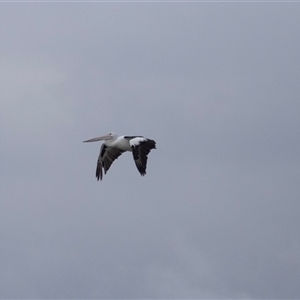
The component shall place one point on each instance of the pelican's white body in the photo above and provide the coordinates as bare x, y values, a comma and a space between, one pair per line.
124, 144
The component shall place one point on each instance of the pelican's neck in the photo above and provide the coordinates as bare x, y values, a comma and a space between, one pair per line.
113, 138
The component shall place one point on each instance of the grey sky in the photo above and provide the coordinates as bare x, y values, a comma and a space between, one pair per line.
216, 85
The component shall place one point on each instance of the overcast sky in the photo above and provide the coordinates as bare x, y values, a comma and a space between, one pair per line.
216, 85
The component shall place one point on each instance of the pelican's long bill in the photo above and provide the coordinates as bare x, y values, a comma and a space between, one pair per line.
100, 138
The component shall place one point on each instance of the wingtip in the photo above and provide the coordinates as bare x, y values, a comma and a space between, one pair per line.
143, 173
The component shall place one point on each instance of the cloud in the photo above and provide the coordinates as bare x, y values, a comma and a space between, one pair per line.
215, 86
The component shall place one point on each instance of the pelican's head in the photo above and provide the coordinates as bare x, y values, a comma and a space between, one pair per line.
106, 137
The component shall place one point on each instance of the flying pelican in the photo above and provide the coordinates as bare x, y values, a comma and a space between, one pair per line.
115, 145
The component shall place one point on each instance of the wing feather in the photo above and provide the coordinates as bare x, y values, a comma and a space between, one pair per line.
140, 150
106, 158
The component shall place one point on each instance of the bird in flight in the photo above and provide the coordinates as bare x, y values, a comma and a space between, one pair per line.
115, 145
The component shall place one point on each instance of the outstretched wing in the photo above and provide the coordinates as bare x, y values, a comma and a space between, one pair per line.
140, 149
106, 158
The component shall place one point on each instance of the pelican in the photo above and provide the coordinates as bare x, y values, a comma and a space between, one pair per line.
115, 145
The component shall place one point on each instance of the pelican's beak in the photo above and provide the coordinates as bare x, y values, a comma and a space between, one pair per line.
100, 138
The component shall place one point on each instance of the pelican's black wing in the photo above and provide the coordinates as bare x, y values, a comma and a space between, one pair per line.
140, 149
106, 158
